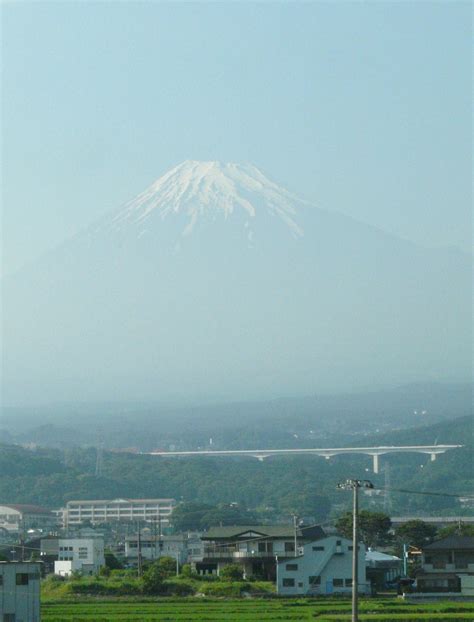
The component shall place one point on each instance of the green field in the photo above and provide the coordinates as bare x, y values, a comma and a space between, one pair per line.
250, 610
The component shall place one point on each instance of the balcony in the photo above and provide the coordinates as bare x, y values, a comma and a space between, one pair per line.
232, 552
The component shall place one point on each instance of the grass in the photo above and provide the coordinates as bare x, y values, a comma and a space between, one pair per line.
249, 610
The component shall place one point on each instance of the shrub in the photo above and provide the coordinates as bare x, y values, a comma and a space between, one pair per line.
233, 589
152, 580
232, 572
175, 588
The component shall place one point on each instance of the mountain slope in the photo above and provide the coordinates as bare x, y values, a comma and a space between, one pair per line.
215, 281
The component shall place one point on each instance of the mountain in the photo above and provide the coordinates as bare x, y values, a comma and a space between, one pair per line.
205, 191
215, 281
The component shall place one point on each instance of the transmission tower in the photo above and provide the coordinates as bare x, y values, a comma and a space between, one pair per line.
99, 458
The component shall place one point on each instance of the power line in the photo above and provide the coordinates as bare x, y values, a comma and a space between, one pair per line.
427, 492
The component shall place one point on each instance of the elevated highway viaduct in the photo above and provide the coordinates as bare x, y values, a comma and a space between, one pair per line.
326, 452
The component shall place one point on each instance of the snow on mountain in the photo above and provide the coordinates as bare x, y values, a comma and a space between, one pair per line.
198, 190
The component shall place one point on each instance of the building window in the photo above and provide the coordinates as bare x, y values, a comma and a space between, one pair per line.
338, 542
291, 566
318, 548
22, 578
9, 617
300, 584
288, 583
1, 579
348, 582
289, 547
313, 580
265, 547
338, 582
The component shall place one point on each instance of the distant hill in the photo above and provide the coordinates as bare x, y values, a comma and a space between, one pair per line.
321, 419
305, 484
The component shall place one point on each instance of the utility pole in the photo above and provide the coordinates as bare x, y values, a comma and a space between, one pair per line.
295, 526
354, 485
160, 534
387, 499
139, 551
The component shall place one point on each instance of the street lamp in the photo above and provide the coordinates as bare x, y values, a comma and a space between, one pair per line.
354, 485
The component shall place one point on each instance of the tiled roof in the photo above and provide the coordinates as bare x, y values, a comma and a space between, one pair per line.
262, 531
451, 542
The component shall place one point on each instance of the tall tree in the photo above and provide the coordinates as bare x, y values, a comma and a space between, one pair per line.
373, 527
416, 532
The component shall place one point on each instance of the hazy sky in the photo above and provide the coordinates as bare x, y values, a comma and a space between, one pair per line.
362, 108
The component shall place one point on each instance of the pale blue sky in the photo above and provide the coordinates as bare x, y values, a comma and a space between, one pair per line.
360, 107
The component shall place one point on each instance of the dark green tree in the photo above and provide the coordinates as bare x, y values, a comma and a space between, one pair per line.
223, 514
373, 527
111, 561
415, 532
306, 503
460, 529
188, 516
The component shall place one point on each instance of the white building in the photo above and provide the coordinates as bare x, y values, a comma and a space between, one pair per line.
84, 555
254, 547
18, 517
114, 510
325, 567
19, 592
184, 547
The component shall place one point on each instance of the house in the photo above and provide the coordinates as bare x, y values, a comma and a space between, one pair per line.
19, 591
254, 547
99, 511
84, 555
18, 517
382, 569
49, 553
155, 546
447, 566
183, 547
195, 547
324, 566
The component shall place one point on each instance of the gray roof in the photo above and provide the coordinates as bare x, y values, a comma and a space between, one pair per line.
451, 542
378, 556
26, 508
262, 531
120, 500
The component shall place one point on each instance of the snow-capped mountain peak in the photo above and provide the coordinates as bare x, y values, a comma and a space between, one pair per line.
197, 189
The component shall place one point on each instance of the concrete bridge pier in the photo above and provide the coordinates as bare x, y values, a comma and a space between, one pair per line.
375, 458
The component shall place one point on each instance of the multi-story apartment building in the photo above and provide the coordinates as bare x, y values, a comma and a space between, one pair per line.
99, 511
